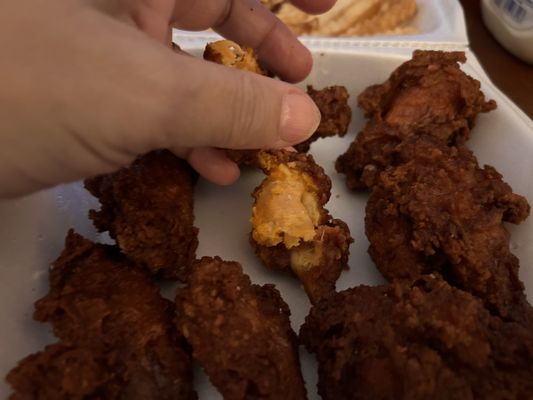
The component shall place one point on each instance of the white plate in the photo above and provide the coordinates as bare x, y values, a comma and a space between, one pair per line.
33, 228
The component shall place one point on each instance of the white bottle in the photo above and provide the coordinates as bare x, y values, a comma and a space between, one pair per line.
511, 23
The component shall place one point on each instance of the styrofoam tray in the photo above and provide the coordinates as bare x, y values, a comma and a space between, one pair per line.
439, 23
33, 228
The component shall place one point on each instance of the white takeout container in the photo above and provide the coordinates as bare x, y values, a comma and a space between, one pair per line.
438, 23
33, 228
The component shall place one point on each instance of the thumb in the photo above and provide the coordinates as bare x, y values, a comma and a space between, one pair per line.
225, 107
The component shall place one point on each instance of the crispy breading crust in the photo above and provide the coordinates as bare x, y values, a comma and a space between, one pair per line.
438, 211
429, 95
421, 341
117, 336
64, 371
336, 114
148, 209
240, 333
318, 260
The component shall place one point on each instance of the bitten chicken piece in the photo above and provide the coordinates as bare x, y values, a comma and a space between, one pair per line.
335, 113
438, 211
291, 229
416, 342
429, 95
240, 333
230, 54
118, 340
148, 209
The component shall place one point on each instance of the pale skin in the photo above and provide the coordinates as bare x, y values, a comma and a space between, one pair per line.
87, 85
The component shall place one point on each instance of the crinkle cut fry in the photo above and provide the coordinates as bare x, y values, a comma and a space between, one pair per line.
438, 211
240, 333
332, 101
349, 18
148, 209
117, 338
291, 229
416, 340
427, 95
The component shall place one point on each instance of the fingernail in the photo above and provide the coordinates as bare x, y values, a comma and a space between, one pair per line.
300, 118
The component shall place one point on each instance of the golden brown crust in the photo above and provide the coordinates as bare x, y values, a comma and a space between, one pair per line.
117, 336
240, 333
336, 114
291, 229
424, 340
148, 209
427, 95
438, 211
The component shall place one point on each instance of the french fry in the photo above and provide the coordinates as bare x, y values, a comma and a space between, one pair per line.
351, 17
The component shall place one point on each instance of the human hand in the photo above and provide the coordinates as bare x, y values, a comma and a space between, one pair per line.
90, 84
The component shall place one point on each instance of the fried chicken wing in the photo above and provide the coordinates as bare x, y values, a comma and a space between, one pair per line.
89, 371
438, 211
64, 371
336, 114
291, 229
117, 334
240, 333
148, 209
421, 341
427, 95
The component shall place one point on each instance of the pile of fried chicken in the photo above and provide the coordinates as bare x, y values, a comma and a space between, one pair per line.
452, 323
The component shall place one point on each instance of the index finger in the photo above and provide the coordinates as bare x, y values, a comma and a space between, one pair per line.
248, 23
